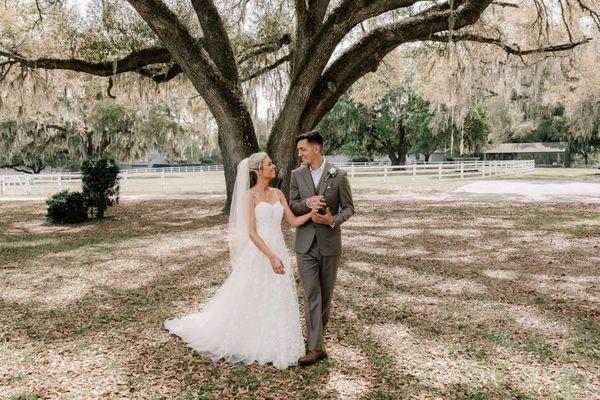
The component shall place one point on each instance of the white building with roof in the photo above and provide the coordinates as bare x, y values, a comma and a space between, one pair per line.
545, 153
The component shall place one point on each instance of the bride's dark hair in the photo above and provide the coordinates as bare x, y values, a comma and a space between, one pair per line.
254, 164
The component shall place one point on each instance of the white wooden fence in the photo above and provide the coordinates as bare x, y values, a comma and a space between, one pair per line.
210, 179
445, 170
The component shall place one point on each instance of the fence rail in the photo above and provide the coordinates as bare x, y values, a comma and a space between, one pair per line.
210, 179
446, 170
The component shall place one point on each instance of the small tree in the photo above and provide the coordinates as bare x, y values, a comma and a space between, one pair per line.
100, 181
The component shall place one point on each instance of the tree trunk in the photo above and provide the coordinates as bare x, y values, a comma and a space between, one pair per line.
402, 145
401, 154
394, 159
282, 149
232, 152
427, 157
88, 145
290, 122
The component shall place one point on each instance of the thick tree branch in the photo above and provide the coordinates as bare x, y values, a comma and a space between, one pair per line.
314, 50
19, 168
223, 96
504, 4
186, 51
265, 48
131, 62
351, 13
161, 76
303, 32
217, 41
316, 11
175, 70
366, 55
266, 69
509, 49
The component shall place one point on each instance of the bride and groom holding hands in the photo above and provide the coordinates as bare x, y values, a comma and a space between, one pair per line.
254, 315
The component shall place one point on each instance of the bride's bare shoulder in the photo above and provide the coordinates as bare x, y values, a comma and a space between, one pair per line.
250, 196
279, 193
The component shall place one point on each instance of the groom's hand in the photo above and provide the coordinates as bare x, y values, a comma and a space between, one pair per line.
325, 219
316, 202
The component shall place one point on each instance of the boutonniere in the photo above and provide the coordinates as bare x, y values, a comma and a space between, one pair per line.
332, 172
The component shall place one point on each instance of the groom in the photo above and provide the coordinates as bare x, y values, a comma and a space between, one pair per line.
318, 243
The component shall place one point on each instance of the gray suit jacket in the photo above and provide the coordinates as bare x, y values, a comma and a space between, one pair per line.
338, 197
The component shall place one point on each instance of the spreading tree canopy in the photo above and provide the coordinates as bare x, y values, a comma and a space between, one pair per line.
311, 51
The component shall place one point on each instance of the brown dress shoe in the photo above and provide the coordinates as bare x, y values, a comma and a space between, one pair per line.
312, 357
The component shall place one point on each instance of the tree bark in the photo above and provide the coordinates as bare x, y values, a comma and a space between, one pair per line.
401, 155
403, 144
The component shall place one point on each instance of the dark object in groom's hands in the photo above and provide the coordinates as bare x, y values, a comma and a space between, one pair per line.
326, 219
323, 210
316, 202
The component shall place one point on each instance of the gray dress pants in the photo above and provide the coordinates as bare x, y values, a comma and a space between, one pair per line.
317, 274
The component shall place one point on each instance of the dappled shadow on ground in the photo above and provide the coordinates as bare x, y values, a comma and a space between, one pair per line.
433, 300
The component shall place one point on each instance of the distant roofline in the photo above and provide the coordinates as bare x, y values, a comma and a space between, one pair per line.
533, 147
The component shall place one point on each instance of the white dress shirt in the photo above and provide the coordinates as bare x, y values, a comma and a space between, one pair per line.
317, 174
316, 177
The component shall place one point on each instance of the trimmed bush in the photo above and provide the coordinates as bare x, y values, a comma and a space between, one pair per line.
67, 208
100, 182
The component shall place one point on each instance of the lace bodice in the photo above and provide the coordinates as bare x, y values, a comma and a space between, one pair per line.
268, 214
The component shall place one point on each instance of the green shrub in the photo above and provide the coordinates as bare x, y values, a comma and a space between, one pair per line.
66, 208
100, 182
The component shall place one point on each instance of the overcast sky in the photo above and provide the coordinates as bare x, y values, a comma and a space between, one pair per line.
82, 4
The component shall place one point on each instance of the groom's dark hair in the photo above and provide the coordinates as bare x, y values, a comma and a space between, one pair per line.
311, 136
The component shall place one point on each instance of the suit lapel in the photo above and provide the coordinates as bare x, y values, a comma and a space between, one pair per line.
324, 178
308, 179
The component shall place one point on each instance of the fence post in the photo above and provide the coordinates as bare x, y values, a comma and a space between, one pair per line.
162, 180
352, 171
483, 169
414, 171
462, 171
27, 184
439, 171
385, 172
2, 185
125, 175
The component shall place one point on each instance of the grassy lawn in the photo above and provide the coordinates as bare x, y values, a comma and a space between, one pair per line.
433, 300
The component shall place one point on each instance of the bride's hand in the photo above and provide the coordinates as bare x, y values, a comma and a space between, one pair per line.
277, 265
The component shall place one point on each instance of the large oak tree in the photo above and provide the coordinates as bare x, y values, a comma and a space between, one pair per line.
329, 46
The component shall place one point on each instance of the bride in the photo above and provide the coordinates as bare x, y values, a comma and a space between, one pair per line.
254, 315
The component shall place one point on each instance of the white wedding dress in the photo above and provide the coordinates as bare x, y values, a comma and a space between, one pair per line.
254, 315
